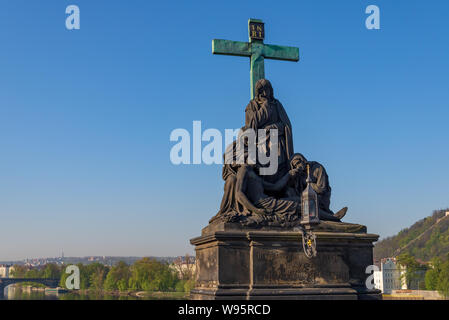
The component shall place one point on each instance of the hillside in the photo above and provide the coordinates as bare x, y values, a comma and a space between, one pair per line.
425, 239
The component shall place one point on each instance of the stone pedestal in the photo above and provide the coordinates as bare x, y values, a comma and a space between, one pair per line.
236, 263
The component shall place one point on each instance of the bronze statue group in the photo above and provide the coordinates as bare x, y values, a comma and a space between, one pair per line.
252, 199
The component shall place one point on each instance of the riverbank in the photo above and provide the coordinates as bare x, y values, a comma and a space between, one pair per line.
137, 294
92, 294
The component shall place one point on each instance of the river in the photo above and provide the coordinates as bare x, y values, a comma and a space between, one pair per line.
19, 293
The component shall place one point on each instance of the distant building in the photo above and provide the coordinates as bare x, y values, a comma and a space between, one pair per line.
184, 270
10, 270
447, 213
4, 271
388, 278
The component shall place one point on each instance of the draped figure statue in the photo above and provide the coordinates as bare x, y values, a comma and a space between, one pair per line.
266, 112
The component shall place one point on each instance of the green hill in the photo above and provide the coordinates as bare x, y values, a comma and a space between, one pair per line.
425, 239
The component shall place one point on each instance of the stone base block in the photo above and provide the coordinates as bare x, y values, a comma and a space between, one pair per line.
254, 264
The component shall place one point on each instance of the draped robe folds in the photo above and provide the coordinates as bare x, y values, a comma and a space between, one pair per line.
229, 204
270, 114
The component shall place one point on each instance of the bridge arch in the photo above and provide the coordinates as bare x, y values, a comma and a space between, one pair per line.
4, 282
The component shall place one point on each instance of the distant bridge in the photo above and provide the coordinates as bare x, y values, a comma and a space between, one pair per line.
4, 282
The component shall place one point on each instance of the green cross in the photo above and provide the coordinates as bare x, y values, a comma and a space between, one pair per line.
256, 50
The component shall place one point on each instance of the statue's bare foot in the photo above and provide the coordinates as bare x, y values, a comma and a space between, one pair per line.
340, 214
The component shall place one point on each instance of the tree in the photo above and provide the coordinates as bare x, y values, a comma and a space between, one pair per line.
180, 286
431, 278
412, 268
189, 285
51, 271
84, 276
185, 267
33, 273
443, 280
19, 271
151, 275
63, 278
97, 274
118, 277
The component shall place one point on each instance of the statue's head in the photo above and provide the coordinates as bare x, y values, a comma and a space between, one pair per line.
264, 90
298, 161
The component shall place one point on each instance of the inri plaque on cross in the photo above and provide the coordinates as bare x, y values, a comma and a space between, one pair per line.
256, 50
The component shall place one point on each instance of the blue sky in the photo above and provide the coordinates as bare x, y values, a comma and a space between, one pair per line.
86, 115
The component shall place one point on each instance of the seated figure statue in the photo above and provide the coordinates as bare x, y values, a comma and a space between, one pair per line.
320, 184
